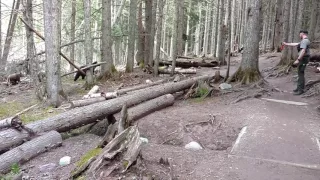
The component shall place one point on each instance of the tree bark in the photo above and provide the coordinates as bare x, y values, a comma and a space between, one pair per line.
52, 45
148, 29
197, 31
32, 64
152, 32
0, 33
285, 58
180, 27
248, 71
88, 42
131, 30
89, 114
178, 71
293, 10
215, 30
298, 26
30, 149
278, 25
313, 20
220, 46
141, 40
9, 36
159, 34
106, 39
175, 36
206, 30
73, 32
186, 47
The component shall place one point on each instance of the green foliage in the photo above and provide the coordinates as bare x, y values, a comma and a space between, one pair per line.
34, 116
10, 108
15, 168
202, 91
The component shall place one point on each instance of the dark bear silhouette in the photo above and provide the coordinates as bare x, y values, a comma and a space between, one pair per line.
78, 74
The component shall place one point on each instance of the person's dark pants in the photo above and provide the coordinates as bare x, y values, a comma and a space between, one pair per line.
301, 68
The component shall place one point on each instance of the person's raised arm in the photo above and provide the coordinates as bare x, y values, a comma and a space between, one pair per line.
290, 44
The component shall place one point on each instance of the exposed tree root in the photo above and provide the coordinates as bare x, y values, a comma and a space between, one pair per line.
247, 76
278, 71
312, 88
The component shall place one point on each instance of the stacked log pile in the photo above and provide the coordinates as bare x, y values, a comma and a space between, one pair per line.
19, 144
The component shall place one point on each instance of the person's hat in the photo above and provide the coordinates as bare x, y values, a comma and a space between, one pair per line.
303, 31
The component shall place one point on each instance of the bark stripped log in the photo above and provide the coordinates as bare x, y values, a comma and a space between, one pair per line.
85, 102
10, 122
188, 64
29, 150
178, 71
88, 114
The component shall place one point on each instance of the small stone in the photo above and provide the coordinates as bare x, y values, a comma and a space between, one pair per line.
144, 140
65, 161
47, 167
148, 81
193, 146
225, 86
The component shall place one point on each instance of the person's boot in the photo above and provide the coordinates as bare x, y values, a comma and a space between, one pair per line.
298, 92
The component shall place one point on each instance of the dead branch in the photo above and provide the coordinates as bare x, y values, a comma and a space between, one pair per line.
65, 57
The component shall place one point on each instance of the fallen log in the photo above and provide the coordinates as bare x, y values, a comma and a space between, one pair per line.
84, 68
189, 64
28, 150
10, 122
88, 114
137, 112
102, 94
178, 71
85, 102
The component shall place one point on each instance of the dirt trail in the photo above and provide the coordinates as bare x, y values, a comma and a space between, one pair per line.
280, 141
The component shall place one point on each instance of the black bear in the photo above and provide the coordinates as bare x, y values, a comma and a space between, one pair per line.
14, 78
78, 74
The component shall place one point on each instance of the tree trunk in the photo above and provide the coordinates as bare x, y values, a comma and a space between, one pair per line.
248, 71
152, 32
88, 42
229, 38
132, 37
32, 64
180, 28
141, 40
220, 46
285, 58
186, 47
89, 114
197, 31
106, 40
175, 36
148, 107
233, 22
73, 32
148, 29
206, 30
178, 71
9, 36
293, 11
278, 25
159, 33
29, 150
215, 32
51, 24
313, 20
298, 26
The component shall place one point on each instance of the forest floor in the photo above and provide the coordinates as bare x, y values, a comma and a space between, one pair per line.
249, 140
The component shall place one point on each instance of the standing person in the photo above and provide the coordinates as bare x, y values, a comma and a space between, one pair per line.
302, 61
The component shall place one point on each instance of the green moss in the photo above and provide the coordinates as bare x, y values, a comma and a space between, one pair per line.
81, 178
38, 115
10, 109
85, 158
